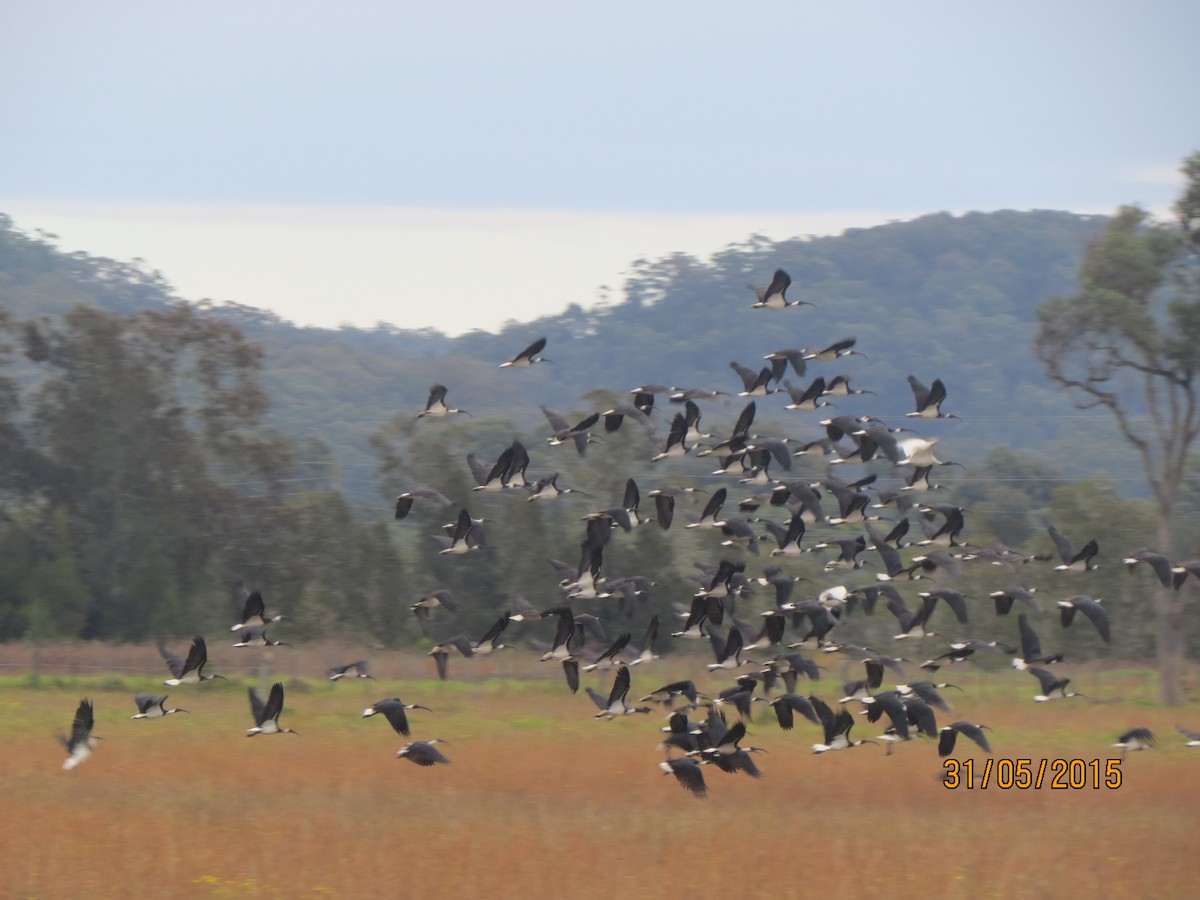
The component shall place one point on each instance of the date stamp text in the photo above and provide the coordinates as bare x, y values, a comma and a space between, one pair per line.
1025, 774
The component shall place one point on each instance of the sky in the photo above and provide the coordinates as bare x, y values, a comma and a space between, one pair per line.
462, 164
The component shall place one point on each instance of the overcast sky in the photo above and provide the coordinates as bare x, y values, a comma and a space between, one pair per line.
459, 164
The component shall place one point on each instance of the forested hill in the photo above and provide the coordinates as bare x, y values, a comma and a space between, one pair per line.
943, 296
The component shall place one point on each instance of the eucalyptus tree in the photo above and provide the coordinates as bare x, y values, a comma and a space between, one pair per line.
146, 426
1128, 342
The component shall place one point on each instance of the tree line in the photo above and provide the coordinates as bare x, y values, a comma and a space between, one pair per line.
155, 453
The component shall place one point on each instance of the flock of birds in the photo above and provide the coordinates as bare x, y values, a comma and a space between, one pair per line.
251, 632
890, 524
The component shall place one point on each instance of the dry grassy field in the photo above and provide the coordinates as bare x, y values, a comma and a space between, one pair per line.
542, 800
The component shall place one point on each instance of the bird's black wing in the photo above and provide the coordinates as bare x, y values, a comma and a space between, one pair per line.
393, 711
1031, 647
274, 704
1065, 548
1046, 679
533, 349
197, 655
922, 716
571, 671
254, 605
689, 774
946, 740
557, 422
174, 663
81, 726
256, 706
920, 393
1099, 618
495, 631
620, 688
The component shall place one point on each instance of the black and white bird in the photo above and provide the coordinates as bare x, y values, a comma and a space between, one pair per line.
1091, 608
1000, 554
630, 592
929, 400
81, 742
424, 753
568, 639
440, 598
949, 734
528, 356
685, 688
586, 581
435, 406
807, 399
151, 706
1053, 688
839, 386
617, 703
490, 642
254, 613
935, 561
774, 296
508, 471
577, 434
360, 668
645, 649
728, 755
849, 551
928, 692
191, 670
754, 383
729, 651
393, 709
256, 636
266, 715
1073, 560
1031, 647
787, 705
1004, 599
460, 540
688, 773
789, 356
790, 666
837, 730
1193, 737
963, 650
727, 578
676, 444
681, 733
1136, 739
943, 531
525, 611
787, 538
404, 502
891, 704
836, 350
710, 517
889, 553
952, 598
1184, 569
608, 659
1164, 570
548, 488
913, 623
639, 411
441, 652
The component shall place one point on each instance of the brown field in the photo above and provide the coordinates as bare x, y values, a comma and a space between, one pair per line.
542, 800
